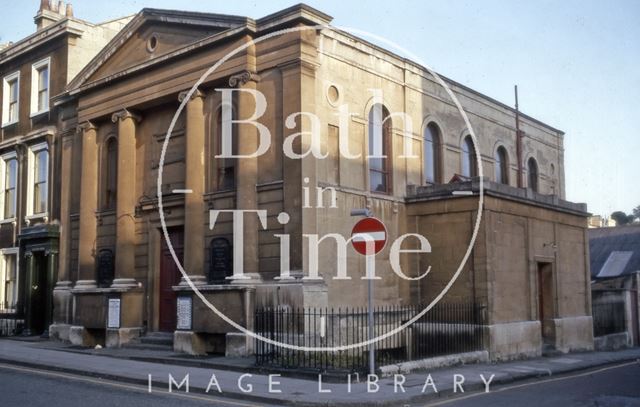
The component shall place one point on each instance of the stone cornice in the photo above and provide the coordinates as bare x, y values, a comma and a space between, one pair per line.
303, 65
125, 114
196, 94
230, 25
67, 25
242, 78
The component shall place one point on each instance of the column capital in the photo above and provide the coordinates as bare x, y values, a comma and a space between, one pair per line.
86, 126
196, 94
125, 114
242, 78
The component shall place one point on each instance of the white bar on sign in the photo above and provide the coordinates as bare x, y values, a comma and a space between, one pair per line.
363, 237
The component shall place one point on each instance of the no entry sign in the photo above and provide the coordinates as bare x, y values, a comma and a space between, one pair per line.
369, 229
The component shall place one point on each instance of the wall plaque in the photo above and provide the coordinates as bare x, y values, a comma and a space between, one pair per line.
184, 309
106, 267
220, 260
113, 319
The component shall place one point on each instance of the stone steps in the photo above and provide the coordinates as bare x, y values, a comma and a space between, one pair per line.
154, 341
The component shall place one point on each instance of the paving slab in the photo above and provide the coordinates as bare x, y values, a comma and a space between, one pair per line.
243, 381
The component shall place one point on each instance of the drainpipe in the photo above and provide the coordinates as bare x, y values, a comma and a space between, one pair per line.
518, 140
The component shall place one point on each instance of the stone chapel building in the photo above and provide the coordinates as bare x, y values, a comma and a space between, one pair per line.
529, 265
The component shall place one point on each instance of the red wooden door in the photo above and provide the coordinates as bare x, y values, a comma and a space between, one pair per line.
169, 277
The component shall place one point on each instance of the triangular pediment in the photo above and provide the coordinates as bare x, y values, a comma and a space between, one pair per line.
153, 34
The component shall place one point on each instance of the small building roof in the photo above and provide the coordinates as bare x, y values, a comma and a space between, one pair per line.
615, 252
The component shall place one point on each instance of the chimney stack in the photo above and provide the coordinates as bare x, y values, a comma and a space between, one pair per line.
50, 12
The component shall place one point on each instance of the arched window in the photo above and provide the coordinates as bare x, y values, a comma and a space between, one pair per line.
469, 165
532, 169
502, 166
379, 143
111, 174
431, 153
225, 167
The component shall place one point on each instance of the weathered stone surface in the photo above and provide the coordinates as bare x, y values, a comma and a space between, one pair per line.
514, 340
116, 338
612, 342
78, 335
189, 342
60, 332
238, 344
574, 334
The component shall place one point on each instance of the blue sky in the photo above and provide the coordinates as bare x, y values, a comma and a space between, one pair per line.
576, 63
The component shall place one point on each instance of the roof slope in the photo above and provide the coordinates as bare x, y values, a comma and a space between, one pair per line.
614, 251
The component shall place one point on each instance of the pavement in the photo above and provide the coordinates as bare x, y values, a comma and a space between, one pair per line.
237, 379
22, 387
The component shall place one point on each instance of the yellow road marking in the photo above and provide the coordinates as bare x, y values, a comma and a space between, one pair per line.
517, 386
133, 387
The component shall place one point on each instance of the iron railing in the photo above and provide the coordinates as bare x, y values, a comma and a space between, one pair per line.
445, 329
11, 323
608, 318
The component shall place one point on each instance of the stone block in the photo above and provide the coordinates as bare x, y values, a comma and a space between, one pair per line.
189, 342
80, 336
59, 332
612, 342
573, 334
116, 338
238, 344
514, 340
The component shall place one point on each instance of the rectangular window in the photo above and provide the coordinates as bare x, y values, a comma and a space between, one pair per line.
43, 89
41, 181
11, 99
40, 87
38, 180
10, 183
9, 281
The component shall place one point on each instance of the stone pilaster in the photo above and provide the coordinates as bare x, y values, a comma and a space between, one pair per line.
194, 207
88, 206
51, 279
62, 297
126, 199
292, 168
247, 173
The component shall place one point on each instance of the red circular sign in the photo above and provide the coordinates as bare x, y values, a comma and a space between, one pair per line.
369, 229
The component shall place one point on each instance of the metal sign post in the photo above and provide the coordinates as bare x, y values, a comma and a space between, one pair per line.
372, 361
369, 238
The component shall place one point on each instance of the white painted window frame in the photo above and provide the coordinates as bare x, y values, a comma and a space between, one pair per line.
11, 251
31, 176
5, 98
34, 86
3, 168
